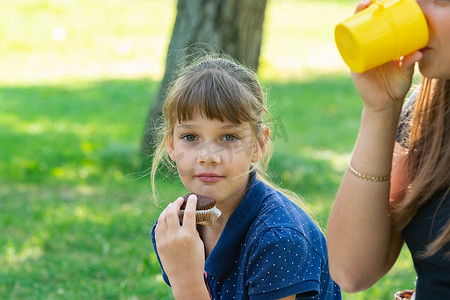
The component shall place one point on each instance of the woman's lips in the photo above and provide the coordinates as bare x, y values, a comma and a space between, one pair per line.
209, 177
424, 50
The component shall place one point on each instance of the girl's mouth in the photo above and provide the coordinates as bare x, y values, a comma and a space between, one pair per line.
209, 177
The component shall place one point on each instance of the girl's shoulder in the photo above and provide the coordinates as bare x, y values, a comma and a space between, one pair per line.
289, 249
281, 221
277, 210
269, 212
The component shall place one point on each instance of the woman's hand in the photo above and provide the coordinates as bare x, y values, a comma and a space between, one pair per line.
180, 248
385, 86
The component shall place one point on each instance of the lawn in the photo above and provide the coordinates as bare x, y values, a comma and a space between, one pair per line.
77, 80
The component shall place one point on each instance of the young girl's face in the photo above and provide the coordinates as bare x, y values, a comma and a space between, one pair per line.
436, 56
213, 157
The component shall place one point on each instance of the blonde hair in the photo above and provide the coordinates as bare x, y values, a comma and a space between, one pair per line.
218, 88
428, 156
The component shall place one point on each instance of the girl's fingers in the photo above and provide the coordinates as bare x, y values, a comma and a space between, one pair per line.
173, 223
161, 225
169, 222
189, 212
162, 218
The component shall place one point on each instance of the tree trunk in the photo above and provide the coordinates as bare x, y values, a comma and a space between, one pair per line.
234, 26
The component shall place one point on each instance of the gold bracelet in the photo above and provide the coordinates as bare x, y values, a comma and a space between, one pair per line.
367, 177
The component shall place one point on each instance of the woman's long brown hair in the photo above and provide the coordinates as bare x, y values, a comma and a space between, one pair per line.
428, 156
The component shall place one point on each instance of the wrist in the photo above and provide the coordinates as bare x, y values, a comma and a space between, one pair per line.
375, 144
380, 102
189, 287
386, 119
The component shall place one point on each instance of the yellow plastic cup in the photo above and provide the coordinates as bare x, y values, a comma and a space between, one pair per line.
384, 31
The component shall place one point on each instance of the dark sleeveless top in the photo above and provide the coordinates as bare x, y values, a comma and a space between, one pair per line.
433, 272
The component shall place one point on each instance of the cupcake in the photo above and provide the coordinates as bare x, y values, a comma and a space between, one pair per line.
206, 211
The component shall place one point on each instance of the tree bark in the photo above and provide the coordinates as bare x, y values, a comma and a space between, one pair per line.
234, 26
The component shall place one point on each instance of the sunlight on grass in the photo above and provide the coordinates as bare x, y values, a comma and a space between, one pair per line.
82, 213
14, 257
125, 42
339, 161
292, 47
126, 39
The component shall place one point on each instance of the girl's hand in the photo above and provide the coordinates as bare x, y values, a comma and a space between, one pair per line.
385, 86
180, 248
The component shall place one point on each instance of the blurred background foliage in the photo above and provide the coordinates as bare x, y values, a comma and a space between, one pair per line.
76, 81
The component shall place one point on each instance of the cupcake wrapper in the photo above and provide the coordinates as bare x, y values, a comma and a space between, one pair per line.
204, 217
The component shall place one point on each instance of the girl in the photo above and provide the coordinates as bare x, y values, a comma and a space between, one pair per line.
263, 246
374, 213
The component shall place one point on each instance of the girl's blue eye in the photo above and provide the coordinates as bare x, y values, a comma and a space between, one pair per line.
189, 138
229, 138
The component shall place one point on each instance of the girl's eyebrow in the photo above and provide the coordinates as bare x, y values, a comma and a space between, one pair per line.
233, 126
186, 126
226, 126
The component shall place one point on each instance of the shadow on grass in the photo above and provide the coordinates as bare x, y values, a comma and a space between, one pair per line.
75, 204
79, 131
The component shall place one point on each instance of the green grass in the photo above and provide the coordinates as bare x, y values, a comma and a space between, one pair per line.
75, 210
75, 201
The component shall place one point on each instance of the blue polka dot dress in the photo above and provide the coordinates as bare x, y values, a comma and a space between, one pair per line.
269, 249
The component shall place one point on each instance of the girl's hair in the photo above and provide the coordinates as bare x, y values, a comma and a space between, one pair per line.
218, 88
428, 156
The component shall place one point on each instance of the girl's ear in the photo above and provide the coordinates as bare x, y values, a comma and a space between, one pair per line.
171, 149
262, 143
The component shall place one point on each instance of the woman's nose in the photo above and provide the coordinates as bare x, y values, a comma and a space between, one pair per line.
423, 6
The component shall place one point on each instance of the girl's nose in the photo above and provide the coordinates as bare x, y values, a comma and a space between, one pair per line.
208, 153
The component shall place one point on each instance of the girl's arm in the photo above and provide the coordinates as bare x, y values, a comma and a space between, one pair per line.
361, 243
181, 251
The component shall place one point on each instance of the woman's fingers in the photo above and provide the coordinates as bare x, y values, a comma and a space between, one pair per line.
362, 5
410, 59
